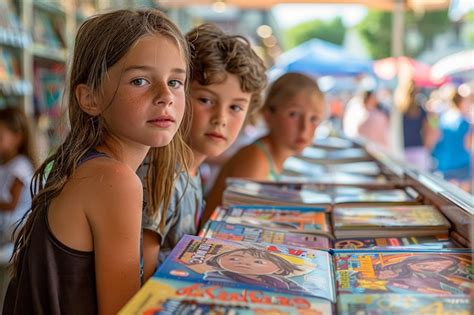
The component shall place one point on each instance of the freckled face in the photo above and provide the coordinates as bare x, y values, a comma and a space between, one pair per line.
143, 94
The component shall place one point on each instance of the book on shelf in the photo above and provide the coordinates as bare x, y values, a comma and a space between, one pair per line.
258, 234
396, 221
445, 272
308, 220
396, 304
169, 296
259, 266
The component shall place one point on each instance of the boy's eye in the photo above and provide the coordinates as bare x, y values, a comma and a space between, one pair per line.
205, 100
293, 114
175, 84
236, 108
258, 262
139, 82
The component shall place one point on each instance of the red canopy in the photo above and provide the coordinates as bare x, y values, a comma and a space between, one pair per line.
420, 72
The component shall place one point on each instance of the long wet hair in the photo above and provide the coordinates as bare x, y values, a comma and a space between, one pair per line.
101, 41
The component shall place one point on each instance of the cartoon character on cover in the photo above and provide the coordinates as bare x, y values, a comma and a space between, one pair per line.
79, 249
431, 274
253, 266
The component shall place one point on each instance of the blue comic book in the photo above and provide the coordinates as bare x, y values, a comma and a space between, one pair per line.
263, 266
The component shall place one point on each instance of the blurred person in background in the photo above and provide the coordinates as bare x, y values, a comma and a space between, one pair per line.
452, 143
414, 128
375, 125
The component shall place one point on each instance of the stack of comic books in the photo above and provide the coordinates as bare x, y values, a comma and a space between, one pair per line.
306, 227
213, 276
246, 191
395, 221
394, 282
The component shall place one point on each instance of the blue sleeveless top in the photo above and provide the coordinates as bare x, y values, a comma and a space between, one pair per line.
273, 174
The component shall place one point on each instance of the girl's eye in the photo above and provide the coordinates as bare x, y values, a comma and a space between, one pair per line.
175, 84
258, 262
139, 82
314, 120
236, 108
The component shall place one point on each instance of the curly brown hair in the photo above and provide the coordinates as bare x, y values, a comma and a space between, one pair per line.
215, 53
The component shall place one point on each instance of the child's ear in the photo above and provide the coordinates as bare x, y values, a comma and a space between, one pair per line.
87, 101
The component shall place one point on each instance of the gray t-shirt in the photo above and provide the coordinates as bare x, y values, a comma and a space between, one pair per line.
182, 216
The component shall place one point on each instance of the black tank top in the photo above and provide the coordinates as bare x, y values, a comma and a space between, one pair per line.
53, 278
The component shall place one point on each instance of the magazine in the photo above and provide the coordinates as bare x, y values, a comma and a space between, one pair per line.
246, 233
431, 241
284, 218
168, 296
441, 272
258, 266
392, 221
400, 304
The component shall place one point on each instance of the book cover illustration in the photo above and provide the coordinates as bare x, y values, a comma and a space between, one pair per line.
271, 267
245, 233
436, 273
168, 296
294, 219
400, 304
432, 242
426, 219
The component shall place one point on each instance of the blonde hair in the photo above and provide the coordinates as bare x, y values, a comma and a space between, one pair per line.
286, 87
214, 53
102, 41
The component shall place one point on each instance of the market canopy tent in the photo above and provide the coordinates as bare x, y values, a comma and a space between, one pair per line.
389, 68
389, 5
321, 58
457, 63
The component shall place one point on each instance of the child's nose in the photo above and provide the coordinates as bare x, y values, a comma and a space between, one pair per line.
163, 96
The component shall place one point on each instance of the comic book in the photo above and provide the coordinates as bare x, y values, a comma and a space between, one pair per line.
430, 241
400, 304
168, 296
251, 192
247, 191
309, 220
247, 233
396, 221
440, 272
256, 266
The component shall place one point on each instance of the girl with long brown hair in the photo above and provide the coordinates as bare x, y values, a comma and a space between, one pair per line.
79, 249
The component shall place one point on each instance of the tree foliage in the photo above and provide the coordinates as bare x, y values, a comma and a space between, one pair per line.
376, 31
332, 31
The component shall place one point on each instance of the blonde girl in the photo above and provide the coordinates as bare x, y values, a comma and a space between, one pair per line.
79, 250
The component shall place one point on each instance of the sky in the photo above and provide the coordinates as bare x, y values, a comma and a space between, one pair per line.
288, 15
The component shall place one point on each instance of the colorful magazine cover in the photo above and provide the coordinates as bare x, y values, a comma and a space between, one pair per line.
431, 241
168, 296
389, 221
257, 266
442, 272
246, 233
400, 304
283, 218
